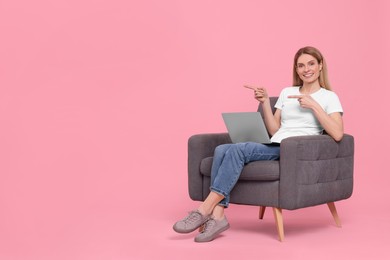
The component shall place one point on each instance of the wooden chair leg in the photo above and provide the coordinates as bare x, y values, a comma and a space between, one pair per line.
279, 222
333, 210
261, 212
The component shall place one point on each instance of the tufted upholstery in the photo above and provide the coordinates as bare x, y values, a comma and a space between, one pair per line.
254, 171
312, 170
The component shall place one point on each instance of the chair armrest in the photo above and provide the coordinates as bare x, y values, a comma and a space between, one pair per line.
201, 146
315, 170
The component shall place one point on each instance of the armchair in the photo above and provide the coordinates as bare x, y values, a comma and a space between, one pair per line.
312, 170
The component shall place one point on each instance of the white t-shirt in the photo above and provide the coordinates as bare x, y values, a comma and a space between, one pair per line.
297, 121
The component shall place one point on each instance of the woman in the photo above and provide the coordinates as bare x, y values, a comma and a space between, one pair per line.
308, 108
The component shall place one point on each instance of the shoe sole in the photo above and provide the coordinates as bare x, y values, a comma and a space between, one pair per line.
200, 240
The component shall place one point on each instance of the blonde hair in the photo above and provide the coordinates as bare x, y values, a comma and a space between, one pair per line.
323, 78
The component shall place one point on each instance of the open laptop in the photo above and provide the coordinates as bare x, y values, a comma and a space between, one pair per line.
246, 127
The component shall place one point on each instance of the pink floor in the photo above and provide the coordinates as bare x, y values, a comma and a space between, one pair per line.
123, 232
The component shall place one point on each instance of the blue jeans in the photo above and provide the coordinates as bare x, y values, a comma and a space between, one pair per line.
229, 160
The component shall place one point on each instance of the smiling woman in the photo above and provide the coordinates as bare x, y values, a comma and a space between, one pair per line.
308, 68
307, 108
309, 65
310, 73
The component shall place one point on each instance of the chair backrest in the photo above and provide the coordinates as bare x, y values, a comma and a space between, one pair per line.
272, 101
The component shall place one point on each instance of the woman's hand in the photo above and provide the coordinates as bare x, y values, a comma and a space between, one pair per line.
305, 101
260, 93
332, 123
272, 121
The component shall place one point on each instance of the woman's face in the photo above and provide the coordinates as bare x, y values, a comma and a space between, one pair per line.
308, 68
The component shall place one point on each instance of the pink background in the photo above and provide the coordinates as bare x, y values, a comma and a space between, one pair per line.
99, 97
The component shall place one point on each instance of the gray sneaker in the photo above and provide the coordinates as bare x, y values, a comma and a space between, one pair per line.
212, 228
193, 221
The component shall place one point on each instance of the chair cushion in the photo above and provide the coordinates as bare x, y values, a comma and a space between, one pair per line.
253, 171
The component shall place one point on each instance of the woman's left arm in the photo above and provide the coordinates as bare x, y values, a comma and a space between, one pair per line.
332, 123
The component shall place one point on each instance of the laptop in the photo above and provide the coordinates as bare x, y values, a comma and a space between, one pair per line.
246, 127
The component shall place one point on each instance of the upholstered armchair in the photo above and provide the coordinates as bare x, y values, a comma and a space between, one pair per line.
312, 170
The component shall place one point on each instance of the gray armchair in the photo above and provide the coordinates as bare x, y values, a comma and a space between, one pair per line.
312, 170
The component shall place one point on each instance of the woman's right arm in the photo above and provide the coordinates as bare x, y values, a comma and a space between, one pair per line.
272, 121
